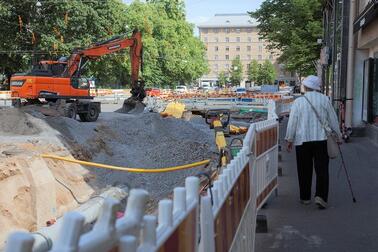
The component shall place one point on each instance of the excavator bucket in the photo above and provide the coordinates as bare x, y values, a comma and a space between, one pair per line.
132, 105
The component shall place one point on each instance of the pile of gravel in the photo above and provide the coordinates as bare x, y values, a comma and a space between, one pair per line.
143, 141
15, 122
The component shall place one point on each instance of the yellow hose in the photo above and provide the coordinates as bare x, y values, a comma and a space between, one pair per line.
140, 170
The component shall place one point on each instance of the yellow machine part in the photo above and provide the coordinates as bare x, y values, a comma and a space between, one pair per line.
175, 109
217, 124
237, 130
220, 140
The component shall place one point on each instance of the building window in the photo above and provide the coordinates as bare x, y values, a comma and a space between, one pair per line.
227, 48
238, 48
249, 39
227, 66
227, 30
271, 57
238, 56
205, 39
216, 48
260, 48
204, 30
216, 40
227, 57
215, 30
260, 57
248, 48
215, 57
216, 67
227, 39
248, 57
237, 30
237, 39
249, 30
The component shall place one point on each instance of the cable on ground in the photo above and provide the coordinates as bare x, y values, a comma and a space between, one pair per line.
136, 170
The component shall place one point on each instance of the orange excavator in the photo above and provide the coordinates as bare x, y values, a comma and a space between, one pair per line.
60, 82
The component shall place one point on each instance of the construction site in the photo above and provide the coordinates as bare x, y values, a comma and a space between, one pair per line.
68, 147
43, 152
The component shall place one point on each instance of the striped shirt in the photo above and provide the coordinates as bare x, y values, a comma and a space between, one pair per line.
303, 125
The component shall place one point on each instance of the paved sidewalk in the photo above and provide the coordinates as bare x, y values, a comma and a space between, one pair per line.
345, 226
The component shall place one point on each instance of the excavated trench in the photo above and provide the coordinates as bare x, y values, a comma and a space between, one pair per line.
143, 140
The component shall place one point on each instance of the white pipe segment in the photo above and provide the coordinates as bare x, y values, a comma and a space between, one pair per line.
45, 237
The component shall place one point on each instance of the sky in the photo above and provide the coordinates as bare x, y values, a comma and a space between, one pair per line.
198, 11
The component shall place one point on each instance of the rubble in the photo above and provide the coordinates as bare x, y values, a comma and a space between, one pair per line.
144, 141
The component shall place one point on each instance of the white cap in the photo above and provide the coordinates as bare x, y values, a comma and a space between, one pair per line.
312, 82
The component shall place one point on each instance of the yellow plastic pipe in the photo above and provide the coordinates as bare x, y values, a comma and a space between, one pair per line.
118, 168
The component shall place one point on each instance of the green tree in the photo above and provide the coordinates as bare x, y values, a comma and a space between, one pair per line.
34, 30
253, 70
223, 79
267, 73
50, 29
236, 72
292, 27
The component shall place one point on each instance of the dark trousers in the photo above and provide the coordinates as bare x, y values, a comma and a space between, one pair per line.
313, 155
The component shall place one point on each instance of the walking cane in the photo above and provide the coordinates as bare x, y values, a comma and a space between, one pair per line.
347, 174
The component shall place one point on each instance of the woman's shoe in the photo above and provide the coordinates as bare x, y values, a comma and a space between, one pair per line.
320, 202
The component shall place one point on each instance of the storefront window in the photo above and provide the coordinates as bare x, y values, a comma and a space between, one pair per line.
370, 91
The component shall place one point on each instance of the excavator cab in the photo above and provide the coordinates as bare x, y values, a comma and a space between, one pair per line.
49, 68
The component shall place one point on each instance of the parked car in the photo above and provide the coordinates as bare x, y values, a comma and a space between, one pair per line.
181, 89
153, 91
240, 90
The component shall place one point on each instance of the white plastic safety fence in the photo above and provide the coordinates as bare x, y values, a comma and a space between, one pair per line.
245, 184
283, 105
225, 219
177, 229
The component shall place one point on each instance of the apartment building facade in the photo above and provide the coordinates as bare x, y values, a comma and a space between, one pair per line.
351, 65
228, 36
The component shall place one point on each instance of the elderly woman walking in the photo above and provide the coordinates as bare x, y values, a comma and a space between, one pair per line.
309, 114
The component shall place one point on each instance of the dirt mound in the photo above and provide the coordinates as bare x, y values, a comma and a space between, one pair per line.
15, 122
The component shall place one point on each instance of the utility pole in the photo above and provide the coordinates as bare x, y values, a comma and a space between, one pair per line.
344, 49
350, 69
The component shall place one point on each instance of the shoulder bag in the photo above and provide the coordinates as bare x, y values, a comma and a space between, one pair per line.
332, 145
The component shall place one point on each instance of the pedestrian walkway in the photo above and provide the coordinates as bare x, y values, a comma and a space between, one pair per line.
345, 226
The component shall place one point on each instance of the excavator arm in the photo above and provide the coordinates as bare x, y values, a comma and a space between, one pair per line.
79, 59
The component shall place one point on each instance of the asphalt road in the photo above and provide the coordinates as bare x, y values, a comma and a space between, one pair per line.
345, 226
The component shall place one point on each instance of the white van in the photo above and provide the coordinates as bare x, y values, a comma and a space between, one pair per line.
181, 89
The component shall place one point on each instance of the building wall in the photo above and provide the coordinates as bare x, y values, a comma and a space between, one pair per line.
367, 47
225, 44
368, 37
361, 4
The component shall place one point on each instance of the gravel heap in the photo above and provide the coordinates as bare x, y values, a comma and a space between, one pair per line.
15, 122
142, 140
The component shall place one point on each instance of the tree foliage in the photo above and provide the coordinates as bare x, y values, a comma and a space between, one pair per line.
253, 70
260, 74
292, 27
236, 72
223, 79
33, 30
266, 73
